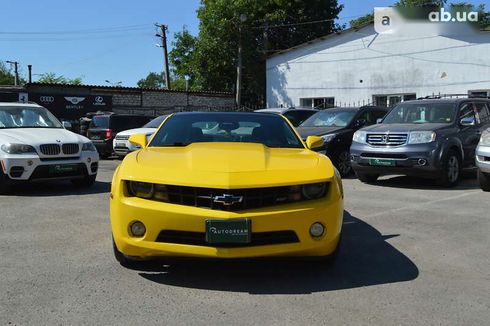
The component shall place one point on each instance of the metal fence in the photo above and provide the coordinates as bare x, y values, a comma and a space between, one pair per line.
160, 111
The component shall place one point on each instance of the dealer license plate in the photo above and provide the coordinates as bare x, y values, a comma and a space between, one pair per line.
63, 168
228, 231
379, 162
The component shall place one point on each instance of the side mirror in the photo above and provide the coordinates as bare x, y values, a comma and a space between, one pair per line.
379, 120
138, 140
469, 121
360, 123
67, 125
313, 142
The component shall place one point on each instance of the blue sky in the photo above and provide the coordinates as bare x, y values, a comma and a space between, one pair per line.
105, 40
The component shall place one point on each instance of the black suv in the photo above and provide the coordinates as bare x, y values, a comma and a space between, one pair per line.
103, 129
433, 138
336, 126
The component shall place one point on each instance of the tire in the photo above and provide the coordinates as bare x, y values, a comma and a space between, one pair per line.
4, 186
86, 182
342, 163
366, 177
484, 180
451, 169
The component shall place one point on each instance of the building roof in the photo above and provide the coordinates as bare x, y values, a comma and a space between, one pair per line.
123, 88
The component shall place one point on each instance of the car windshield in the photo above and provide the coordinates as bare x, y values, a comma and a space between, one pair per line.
267, 129
27, 117
422, 113
330, 118
100, 121
155, 123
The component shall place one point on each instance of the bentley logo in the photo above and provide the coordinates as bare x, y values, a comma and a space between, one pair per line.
74, 99
227, 199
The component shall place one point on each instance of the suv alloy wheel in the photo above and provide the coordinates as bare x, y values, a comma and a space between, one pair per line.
451, 169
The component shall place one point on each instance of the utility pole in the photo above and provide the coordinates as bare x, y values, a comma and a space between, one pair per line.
238, 98
163, 37
16, 75
29, 69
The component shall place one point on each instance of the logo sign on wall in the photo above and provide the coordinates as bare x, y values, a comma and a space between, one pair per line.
72, 107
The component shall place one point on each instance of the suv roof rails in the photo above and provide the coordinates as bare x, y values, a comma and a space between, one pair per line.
451, 96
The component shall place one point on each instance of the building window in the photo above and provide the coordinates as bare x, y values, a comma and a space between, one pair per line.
390, 100
317, 102
479, 93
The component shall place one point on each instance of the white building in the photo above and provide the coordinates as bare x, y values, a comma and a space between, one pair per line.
359, 66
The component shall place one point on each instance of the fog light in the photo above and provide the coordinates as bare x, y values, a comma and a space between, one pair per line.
317, 229
138, 229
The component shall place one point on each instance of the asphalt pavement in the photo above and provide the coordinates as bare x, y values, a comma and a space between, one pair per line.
412, 254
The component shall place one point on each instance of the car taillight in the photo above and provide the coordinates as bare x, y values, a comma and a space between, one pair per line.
108, 133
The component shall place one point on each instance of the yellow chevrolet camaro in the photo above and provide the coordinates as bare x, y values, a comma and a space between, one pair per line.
225, 185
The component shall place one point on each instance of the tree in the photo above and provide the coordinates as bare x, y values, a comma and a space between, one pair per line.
182, 59
7, 76
153, 80
52, 78
266, 27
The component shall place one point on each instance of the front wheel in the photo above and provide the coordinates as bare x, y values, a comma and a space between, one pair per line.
484, 180
342, 162
451, 169
86, 182
4, 186
367, 177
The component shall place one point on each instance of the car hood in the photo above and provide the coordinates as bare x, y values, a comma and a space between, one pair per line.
316, 131
226, 165
405, 127
38, 136
137, 131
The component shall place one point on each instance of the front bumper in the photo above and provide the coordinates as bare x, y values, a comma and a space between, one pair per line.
483, 158
124, 147
33, 168
415, 160
158, 217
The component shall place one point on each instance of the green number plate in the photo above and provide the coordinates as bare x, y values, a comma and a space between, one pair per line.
63, 168
228, 231
379, 162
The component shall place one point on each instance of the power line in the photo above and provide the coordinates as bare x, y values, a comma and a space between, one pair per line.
113, 29
307, 22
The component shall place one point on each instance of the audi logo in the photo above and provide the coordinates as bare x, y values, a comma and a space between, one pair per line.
47, 99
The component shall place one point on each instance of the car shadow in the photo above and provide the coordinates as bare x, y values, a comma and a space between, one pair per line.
57, 188
468, 182
365, 259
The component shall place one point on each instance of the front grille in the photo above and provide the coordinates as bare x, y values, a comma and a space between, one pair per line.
250, 198
70, 149
199, 238
122, 137
386, 139
50, 149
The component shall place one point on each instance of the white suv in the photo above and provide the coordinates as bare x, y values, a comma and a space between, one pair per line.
34, 146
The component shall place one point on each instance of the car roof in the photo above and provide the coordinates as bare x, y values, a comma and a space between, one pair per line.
273, 110
448, 100
20, 104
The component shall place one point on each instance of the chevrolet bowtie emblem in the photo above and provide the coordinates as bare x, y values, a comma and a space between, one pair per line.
227, 199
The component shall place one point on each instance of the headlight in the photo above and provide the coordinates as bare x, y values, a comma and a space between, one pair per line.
18, 149
421, 137
314, 190
359, 136
141, 189
328, 138
485, 138
88, 147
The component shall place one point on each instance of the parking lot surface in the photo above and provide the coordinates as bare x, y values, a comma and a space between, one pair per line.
412, 254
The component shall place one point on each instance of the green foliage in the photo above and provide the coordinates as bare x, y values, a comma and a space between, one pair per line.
421, 3
52, 78
269, 25
182, 59
7, 75
362, 20
153, 80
